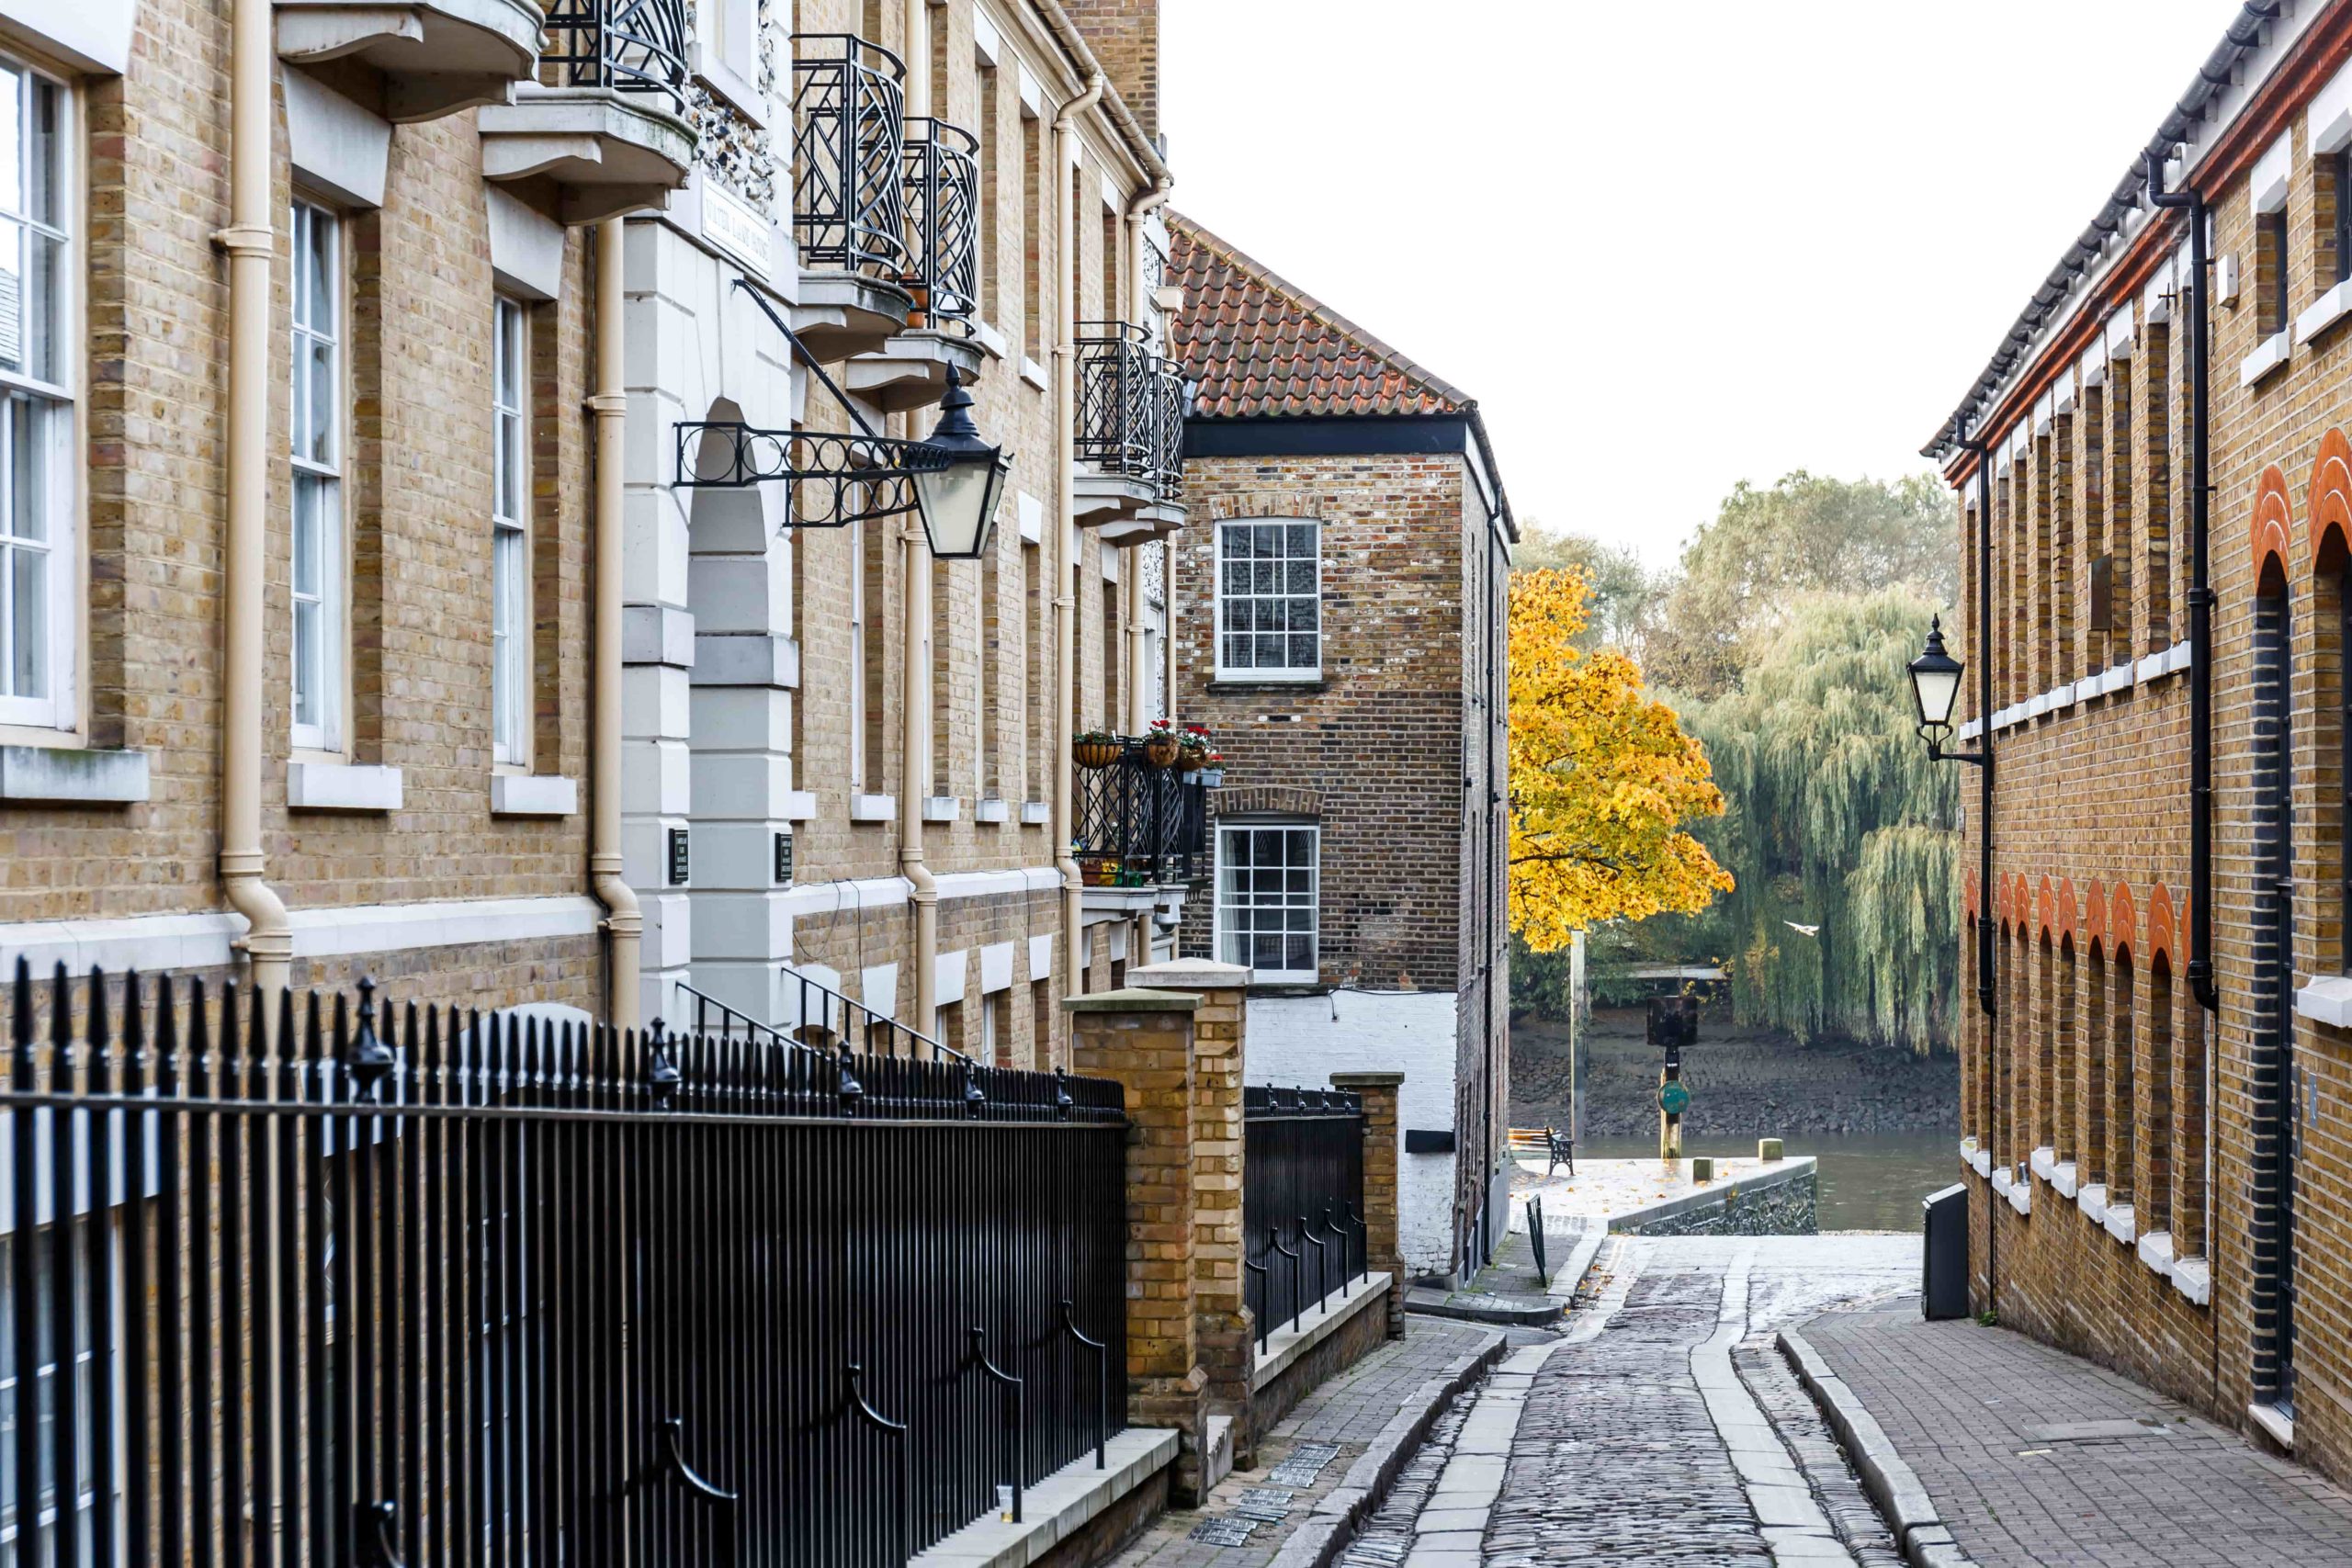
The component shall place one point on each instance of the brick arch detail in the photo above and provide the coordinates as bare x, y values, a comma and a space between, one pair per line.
2122, 919
2069, 920
2330, 500
2021, 899
2045, 907
2273, 525
1968, 893
2161, 925
2094, 910
1271, 800
1266, 503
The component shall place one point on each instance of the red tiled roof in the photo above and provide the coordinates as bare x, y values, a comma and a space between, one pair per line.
1261, 347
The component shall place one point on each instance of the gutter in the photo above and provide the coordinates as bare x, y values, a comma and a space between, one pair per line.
1099, 90
252, 245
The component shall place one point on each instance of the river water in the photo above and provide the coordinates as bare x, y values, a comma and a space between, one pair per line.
1869, 1181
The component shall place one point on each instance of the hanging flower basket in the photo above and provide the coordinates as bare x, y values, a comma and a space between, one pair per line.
1192, 747
1161, 749
1096, 749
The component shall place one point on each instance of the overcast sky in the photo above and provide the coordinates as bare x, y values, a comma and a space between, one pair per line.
1670, 246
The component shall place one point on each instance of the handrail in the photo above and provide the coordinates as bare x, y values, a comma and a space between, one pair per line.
729, 1017
628, 46
942, 197
849, 108
1131, 406
809, 982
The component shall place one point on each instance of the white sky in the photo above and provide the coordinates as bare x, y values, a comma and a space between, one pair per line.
1669, 247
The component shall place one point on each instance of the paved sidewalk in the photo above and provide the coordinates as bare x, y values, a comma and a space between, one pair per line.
1997, 1427
1260, 1509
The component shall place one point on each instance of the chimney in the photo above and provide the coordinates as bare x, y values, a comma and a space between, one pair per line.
1124, 35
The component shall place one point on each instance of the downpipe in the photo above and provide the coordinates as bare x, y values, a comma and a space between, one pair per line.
623, 920
1988, 990
915, 665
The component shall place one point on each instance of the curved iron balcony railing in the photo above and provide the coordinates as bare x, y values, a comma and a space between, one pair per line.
944, 218
1130, 406
628, 46
1138, 825
848, 206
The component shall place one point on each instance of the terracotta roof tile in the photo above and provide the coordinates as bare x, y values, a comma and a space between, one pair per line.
1261, 346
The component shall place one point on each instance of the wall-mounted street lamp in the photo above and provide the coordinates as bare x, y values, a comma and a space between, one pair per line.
953, 478
1935, 687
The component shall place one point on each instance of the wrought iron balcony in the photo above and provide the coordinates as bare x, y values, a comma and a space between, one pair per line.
607, 119
849, 200
942, 174
437, 56
1131, 405
1140, 826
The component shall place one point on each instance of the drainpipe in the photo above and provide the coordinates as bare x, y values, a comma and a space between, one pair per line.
623, 921
1986, 990
914, 672
2200, 601
1066, 540
252, 245
1138, 698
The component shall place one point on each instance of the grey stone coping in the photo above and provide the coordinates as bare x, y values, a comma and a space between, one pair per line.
1284, 1346
1366, 1080
1133, 999
1192, 974
1794, 1168
1060, 1506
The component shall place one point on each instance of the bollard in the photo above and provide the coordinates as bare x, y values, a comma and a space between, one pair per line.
1768, 1150
1703, 1168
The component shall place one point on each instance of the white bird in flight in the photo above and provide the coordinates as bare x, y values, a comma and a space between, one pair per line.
1801, 930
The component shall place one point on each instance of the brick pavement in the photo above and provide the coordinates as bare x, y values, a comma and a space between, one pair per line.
1968, 1407
1346, 1413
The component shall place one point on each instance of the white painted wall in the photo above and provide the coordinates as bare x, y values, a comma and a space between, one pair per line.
1304, 1040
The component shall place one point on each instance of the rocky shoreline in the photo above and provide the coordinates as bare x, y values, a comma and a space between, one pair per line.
1743, 1082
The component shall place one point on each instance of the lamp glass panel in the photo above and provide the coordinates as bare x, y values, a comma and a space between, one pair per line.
1937, 690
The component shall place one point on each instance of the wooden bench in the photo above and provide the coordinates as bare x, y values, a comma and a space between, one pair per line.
1547, 1143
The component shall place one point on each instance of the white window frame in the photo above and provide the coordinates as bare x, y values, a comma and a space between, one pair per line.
320, 478
47, 405
1225, 905
510, 530
857, 780
1262, 673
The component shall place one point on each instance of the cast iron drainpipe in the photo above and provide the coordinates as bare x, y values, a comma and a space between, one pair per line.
1982, 651
2200, 602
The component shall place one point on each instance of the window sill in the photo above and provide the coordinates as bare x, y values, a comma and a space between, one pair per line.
799, 806
2174, 658
943, 808
533, 795
2323, 312
2327, 1000
342, 786
2263, 360
873, 807
1036, 813
2156, 1253
2276, 1422
992, 810
73, 774
991, 341
1244, 681
1033, 373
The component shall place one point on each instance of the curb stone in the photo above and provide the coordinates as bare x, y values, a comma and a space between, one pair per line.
1516, 1312
1893, 1485
1318, 1541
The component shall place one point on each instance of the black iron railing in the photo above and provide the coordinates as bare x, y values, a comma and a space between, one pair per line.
1302, 1201
338, 1283
1140, 826
848, 206
629, 46
1131, 405
943, 218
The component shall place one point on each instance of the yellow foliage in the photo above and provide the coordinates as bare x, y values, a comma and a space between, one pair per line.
1601, 779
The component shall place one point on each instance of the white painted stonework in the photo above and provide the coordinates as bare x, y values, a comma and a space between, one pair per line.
1304, 1040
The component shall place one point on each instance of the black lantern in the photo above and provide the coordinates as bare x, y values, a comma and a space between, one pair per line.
958, 498
1935, 689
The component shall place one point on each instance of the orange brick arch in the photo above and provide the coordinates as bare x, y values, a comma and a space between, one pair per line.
2069, 918
1968, 891
2274, 522
2331, 508
2045, 907
2094, 910
2122, 919
2162, 926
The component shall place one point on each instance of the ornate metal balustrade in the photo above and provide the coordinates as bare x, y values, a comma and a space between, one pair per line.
354, 1286
1140, 826
1131, 406
944, 220
1301, 1200
849, 155
629, 46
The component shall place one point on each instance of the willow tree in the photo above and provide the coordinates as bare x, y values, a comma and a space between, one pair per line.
1842, 833
1603, 779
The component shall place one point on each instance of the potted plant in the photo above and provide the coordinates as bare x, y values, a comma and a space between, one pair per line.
1096, 749
1193, 747
1212, 769
1161, 746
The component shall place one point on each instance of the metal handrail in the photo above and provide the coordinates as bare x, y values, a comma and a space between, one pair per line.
894, 1028
942, 196
849, 108
628, 46
705, 1005
1131, 406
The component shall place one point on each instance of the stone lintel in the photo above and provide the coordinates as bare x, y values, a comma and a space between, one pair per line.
1131, 1000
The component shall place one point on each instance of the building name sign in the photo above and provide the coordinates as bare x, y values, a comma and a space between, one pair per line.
731, 223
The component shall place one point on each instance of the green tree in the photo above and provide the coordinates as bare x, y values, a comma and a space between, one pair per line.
1621, 592
1842, 836
1766, 548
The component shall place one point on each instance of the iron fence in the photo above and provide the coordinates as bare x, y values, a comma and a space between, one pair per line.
848, 206
1131, 406
629, 46
943, 218
1139, 825
1301, 1200
336, 1283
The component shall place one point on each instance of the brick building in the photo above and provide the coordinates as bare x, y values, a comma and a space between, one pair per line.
317, 670
1340, 598
2154, 1077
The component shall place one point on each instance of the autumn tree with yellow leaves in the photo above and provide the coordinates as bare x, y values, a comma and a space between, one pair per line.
1602, 779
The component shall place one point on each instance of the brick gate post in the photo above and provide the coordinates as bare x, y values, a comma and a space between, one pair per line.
1143, 1040
1379, 1092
